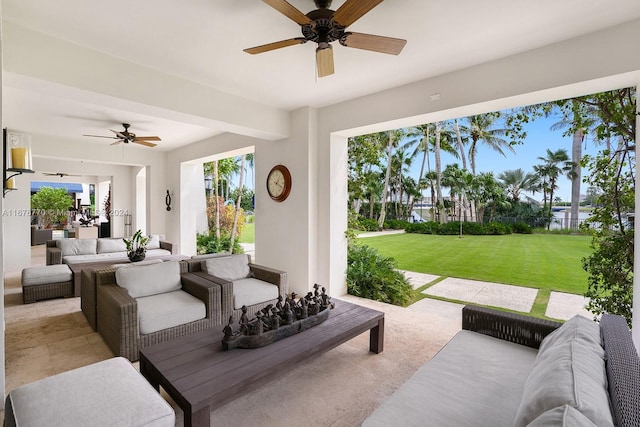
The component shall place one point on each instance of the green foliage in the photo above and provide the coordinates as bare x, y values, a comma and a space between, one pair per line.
497, 228
521, 228
246, 202
371, 275
207, 243
52, 204
396, 224
430, 227
367, 224
137, 244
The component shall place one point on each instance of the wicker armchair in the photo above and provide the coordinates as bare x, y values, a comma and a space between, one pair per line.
260, 272
117, 314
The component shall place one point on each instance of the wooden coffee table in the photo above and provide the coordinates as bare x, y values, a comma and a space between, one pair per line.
200, 377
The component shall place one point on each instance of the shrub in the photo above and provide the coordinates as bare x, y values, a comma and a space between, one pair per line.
449, 228
423, 228
497, 228
367, 224
373, 276
207, 243
521, 228
473, 228
396, 224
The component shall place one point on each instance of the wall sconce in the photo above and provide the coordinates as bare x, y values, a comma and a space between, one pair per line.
208, 185
167, 200
16, 151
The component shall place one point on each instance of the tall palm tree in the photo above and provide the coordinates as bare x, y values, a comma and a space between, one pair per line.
556, 164
515, 182
440, 202
238, 202
391, 138
481, 128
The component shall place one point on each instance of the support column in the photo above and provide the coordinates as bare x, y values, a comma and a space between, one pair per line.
635, 329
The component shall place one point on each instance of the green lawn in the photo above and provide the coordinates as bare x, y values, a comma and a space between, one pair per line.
248, 233
544, 261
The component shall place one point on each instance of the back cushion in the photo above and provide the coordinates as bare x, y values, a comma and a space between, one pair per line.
151, 279
231, 268
111, 245
77, 246
154, 242
578, 328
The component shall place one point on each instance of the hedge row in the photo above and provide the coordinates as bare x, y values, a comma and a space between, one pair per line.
468, 228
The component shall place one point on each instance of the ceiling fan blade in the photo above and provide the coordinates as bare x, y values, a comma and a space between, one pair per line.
352, 10
289, 11
120, 134
324, 60
102, 136
276, 45
117, 142
145, 143
147, 138
374, 43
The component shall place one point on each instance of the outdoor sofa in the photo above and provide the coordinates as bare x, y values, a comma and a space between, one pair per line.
507, 369
71, 251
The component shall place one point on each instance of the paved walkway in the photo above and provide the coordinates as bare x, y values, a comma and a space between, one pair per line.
561, 305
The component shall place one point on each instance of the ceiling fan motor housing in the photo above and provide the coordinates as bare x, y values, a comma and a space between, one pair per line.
323, 29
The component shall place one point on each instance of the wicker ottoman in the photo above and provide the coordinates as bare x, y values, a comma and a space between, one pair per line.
51, 281
107, 393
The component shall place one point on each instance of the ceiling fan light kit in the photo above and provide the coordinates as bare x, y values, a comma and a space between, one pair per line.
324, 26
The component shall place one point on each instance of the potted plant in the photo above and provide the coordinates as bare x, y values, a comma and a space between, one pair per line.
136, 246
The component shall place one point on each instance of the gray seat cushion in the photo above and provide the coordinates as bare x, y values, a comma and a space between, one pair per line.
162, 311
474, 380
47, 274
107, 393
252, 291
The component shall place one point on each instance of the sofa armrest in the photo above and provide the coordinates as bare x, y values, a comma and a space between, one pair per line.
53, 255
226, 291
208, 292
166, 245
273, 276
623, 370
117, 314
516, 328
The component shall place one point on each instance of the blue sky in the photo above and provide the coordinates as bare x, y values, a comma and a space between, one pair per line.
539, 138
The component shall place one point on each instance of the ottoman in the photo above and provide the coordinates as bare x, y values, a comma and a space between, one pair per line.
50, 281
107, 393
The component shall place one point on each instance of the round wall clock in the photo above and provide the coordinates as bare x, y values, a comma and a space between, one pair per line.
279, 183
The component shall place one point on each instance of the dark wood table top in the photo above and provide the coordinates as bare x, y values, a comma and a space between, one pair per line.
200, 376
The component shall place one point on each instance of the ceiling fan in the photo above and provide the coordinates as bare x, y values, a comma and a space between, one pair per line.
59, 174
324, 26
127, 137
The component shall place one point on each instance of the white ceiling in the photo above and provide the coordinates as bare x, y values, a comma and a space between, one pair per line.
202, 41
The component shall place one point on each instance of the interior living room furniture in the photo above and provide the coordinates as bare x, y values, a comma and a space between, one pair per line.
145, 305
514, 370
71, 251
108, 393
86, 272
242, 283
44, 282
200, 376
90, 232
40, 236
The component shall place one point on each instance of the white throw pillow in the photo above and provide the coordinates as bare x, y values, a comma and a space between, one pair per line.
111, 245
154, 242
231, 268
578, 328
562, 416
151, 279
77, 246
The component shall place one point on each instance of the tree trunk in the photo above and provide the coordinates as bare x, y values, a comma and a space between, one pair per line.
468, 206
383, 212
441, 211
576, 155
237, 212
216, 203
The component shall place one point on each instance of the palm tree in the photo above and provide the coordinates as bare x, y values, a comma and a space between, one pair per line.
238, 208
440, 202
481, 129
516, 181
556, 163
392, 138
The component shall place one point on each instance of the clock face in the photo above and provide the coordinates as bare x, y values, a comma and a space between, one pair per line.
279, 183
